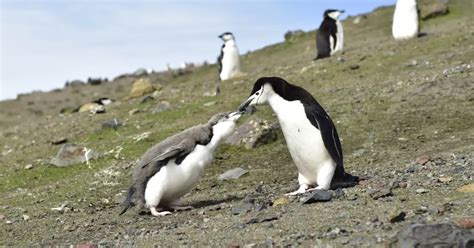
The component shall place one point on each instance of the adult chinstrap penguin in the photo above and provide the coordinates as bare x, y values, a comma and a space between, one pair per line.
229, 58
170, 169
309, 132
405, 20
330, 35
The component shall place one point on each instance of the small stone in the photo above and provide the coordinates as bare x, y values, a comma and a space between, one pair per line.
334, 233
28, 167
421, 191
403, 185
354, 67
467, 223
208, 104
161, 106
423, 159
339, 192
113, 124
59, 141
26, 217
380, 193
281, 201
397, 216
119, 199
61, 208
250, 245
134, 111
232, 174
469, 188
445, 179
316, 196
70, 154
413, 63
262, 219
147, 99
86, 246
8, 222
243, 207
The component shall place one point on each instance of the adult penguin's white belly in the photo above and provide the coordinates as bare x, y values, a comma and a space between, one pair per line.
304, 140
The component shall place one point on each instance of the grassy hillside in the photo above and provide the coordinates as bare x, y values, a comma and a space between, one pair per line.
406, 99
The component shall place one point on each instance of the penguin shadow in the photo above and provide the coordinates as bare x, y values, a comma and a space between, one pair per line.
423, 34
195, 205
209, 203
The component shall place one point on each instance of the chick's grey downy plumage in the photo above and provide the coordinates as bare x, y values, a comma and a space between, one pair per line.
176, 148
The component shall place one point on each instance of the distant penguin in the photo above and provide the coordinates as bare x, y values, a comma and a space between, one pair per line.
171, 168
330, 35
405, 20
309, 132
229, 59
103, 101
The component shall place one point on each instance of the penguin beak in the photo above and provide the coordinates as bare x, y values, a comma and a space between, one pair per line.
342, 11
234, 116
220, 36
244, 105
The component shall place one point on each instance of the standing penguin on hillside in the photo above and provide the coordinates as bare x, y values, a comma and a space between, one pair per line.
309, 132
330, 35
405, 20
228, 60
170, 169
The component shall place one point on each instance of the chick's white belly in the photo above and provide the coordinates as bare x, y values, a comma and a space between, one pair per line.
174, 181
306, 147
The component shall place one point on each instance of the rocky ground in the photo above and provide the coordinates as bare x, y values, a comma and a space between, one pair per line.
404, 111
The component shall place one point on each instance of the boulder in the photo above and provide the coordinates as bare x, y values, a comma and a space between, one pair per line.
434, 235
95, 81
140, 72
433, 8
253, 133
161, 106
92, 107
74, 83
289, 35
70, 154
141, 87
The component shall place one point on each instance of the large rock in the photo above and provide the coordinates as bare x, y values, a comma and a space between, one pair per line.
70, 154
161, 107
142, 87
74, 83
253, 133
92, 107
433, 8
468, 188
435, 235
141, 72
290, 35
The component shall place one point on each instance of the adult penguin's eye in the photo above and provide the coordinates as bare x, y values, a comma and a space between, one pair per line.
258, 93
